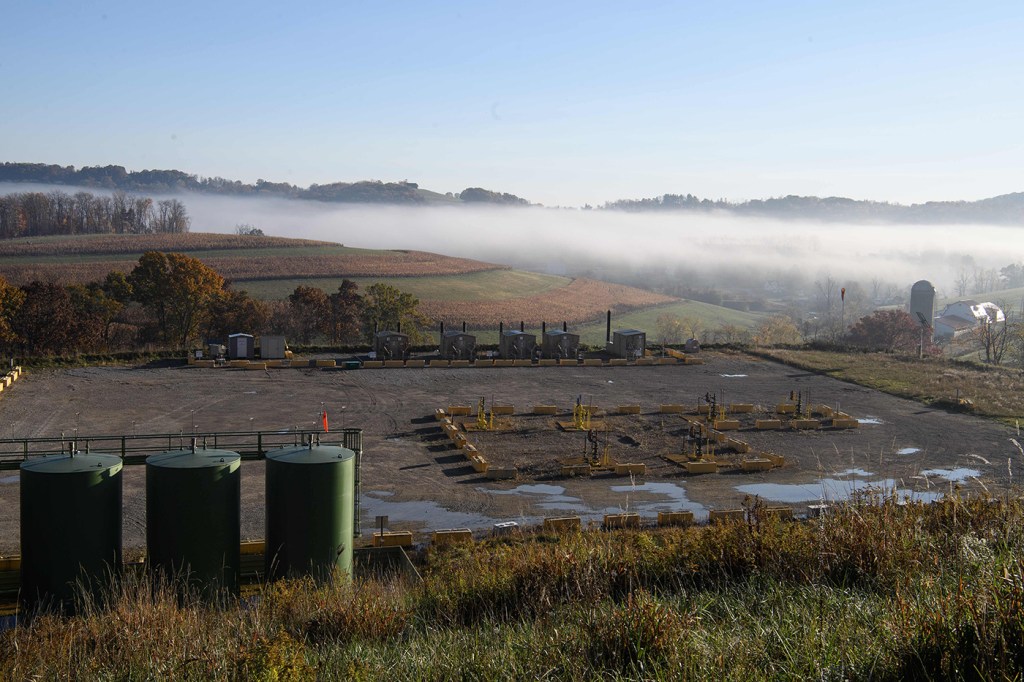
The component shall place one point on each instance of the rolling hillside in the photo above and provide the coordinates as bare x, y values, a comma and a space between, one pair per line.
453, 290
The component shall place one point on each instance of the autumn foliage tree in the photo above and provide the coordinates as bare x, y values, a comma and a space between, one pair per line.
892, 331
11, 298
310, 312
177, 290
387, 308
232, 310
345, 307
46, 322
777, 330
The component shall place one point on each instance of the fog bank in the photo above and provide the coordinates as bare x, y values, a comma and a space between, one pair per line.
710, 247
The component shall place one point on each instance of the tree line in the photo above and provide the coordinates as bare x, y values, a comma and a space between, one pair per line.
34, 214
167, 181
174, 301
1007, 209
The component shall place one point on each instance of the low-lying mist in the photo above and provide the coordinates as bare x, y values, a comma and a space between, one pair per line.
707, 250
719, 250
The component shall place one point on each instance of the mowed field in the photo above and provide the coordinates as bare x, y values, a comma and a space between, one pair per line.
453, 290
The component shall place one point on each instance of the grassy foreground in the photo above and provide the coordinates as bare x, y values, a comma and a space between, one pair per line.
878, 591
996, 392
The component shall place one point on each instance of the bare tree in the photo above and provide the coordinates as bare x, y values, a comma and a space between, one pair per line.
171, 217
994, 337
984, 280
670, 328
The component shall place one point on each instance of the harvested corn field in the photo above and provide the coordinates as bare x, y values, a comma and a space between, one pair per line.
581, 300
241, 269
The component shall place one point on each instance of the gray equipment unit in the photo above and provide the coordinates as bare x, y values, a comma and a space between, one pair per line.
456, 345
922, 302
272, 347
692, 346
560, 344
310, 512
70, 527
516, 344
216, 350
390, 345
628, 343
193, 514
241, 347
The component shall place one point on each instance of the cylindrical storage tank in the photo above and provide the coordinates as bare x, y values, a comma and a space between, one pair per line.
309, 511
70, 527
193, 510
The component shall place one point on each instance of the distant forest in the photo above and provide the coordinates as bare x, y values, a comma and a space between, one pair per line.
1007, 209
35, 214
169, 181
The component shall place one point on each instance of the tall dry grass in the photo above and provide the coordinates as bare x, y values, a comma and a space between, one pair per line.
872, 591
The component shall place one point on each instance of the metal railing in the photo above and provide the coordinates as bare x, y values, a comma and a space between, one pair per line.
134, 448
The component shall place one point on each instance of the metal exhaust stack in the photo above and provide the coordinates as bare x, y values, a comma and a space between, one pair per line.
608, 329
565, 327
543, 328
522, 327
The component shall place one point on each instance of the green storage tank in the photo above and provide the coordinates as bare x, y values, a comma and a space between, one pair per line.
193, 515
309, 511
70, 527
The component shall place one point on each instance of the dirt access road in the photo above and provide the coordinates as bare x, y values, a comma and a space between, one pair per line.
411, 474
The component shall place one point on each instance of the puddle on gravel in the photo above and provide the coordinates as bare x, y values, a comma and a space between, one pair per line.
952, 475
732, 376
830, 490
907, 451
545, 496
870, 420
428, 514
854, 472
9, 479
554, 498
676, 494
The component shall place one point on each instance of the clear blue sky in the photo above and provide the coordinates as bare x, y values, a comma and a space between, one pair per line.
560, 102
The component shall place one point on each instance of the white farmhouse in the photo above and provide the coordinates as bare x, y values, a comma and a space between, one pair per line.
963, 317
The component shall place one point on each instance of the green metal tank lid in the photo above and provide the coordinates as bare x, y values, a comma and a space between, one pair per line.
72, 464
195, 458
311, 454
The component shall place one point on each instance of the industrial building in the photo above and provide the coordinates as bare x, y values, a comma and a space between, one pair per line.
516, 344
628, 343
456, 345
241, 347
273, 348
560, 344
389, 345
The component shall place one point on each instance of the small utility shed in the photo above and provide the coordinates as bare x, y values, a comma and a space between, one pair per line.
241, 347
560, 344
628, 343
516, 344
273, 348
456, 345
390, 345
